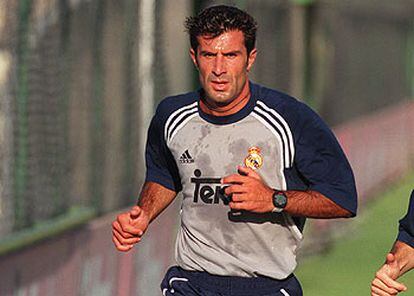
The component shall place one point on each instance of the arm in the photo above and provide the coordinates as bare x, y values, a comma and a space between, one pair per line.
404, 255
312, 204
130, 226
398, 261
155, 198
249, 192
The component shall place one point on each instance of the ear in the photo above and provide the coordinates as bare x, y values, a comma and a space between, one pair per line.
251, 59
193, 56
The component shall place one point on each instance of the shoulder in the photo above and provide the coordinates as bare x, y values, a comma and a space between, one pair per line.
176, 105
290, 109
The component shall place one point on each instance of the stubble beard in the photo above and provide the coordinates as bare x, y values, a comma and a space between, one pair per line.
222, 98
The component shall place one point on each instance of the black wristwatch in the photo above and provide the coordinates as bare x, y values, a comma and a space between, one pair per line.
279, 199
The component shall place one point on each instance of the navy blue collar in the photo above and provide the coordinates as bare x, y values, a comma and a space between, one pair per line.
228, 119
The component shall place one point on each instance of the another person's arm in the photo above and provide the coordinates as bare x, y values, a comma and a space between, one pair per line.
404, 255
398, 261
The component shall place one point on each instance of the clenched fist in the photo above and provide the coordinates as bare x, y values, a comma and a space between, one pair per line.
128, 228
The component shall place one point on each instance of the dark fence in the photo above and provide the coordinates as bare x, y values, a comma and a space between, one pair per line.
79, 80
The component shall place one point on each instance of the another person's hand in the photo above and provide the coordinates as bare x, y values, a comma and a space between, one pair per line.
128, 228
384, 283
248, 191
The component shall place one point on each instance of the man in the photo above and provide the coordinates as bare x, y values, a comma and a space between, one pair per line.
251, 163
399, 260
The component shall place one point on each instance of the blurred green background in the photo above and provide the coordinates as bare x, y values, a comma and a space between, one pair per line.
349, 267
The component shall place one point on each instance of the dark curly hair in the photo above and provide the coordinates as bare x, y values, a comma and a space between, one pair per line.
215, 20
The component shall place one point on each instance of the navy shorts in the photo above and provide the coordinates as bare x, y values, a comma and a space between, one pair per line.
180, 282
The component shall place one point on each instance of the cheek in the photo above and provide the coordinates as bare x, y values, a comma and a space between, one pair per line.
238, 67
203, 75
203, 69
240, 73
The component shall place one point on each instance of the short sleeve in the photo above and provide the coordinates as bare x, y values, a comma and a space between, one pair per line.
406, 227
160, 164
321, 161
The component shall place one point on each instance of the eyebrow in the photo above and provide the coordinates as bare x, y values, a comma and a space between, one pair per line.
224, 53
233, 51
206, 51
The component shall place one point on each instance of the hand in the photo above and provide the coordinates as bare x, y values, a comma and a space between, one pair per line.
128, 228
249, 192
384, 283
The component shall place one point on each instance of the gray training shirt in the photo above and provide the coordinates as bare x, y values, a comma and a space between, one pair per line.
190, 151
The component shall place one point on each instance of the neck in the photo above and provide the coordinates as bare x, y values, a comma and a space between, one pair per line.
225, 109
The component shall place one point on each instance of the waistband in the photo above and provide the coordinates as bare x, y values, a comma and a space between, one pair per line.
235, 284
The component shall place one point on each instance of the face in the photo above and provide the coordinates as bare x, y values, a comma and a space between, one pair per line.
223, 65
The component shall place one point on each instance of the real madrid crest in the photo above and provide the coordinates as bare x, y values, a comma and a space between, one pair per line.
254, 160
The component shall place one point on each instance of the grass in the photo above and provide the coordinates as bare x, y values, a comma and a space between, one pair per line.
349, 267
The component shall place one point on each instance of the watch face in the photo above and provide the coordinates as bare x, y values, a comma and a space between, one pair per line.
279, 200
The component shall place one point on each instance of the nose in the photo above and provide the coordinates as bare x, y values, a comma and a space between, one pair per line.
219, 66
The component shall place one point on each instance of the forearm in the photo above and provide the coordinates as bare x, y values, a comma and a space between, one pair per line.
313, 204
154, 198
404, 255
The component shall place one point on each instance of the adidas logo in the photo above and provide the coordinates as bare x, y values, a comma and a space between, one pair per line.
186, 157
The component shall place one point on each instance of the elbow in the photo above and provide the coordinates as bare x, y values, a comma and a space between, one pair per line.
345, 213
344, 210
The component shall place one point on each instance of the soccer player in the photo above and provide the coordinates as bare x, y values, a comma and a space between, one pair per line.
399, 260
251, 162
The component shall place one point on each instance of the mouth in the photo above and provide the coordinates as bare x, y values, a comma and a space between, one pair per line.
219, 85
